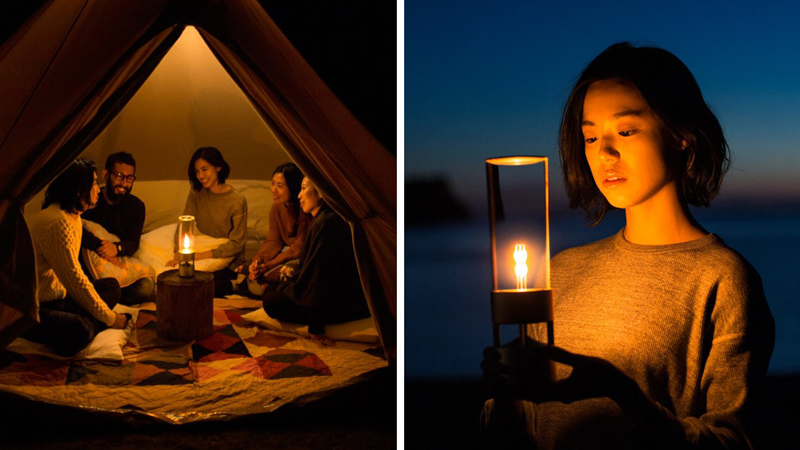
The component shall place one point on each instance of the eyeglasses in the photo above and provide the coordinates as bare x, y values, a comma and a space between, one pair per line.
119, 176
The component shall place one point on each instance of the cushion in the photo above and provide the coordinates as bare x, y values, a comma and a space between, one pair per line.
131, 269
362, 330
106, 346
157, 248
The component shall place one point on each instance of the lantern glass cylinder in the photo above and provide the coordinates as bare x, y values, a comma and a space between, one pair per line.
186, 236
520, 242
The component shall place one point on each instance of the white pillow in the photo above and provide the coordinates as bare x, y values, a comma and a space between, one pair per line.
106, 346
132, 269
362, 330
156, 248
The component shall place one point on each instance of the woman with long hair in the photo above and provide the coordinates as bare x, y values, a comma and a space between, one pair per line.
72, 308
288, 225
327, 289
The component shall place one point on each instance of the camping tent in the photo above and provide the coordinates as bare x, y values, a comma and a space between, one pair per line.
189, 101
66, 74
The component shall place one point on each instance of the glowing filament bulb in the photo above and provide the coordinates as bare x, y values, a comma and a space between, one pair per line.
521, 257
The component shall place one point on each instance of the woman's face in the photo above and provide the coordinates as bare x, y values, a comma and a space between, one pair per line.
624, 146
206, 174
280, 191
309, 198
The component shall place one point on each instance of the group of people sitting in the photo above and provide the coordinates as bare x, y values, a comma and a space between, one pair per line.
305, 271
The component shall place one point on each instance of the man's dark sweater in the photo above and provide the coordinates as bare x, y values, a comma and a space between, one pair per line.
125, 219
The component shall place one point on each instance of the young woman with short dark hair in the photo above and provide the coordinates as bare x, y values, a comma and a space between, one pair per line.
663, 332
220, 211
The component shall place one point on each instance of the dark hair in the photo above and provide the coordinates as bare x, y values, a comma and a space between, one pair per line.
294, 180
674, 96
120, 157
214, 157
72, 188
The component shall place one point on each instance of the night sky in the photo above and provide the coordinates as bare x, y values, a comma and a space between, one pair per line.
488, 79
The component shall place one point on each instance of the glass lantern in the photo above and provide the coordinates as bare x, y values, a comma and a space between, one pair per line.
519, 223
186, 232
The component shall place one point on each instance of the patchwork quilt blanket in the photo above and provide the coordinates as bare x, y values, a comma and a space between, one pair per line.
240, 369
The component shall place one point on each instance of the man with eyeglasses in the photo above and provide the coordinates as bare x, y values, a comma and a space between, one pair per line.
122, 214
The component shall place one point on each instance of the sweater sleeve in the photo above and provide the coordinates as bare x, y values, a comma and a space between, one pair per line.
273, 244
61, 251
302, 231
741, 343
89, 240
237, 234
736, 366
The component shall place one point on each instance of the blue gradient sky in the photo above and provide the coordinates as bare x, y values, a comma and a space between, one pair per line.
490, 78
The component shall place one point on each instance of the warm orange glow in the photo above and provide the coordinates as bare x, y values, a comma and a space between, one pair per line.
516, 160
186, 229
521, 269
187, 244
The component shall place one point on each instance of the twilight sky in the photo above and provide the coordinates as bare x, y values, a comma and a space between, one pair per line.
489, 79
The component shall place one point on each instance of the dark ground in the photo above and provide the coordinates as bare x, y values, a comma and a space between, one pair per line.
444, 414
363, 416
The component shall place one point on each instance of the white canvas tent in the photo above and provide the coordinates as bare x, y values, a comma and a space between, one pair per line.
69, 71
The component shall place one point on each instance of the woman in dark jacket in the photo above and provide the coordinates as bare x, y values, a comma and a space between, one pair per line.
326, 289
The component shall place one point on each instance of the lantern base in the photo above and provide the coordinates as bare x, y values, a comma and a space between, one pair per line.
186, 265
521, 307
517, 306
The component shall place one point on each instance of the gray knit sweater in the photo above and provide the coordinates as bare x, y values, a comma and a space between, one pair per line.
220, 216
688, 322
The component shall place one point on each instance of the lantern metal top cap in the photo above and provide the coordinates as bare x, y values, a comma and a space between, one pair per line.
185, 218
516, 160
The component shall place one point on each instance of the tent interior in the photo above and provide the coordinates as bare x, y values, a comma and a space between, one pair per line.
193, 95
188, 102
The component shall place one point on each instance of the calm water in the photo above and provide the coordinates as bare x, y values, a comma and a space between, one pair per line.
448, 279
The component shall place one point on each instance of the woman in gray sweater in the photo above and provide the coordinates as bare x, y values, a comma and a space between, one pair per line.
219, 210
664, 333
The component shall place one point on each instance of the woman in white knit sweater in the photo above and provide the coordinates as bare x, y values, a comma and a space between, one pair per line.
663, 332
72, 309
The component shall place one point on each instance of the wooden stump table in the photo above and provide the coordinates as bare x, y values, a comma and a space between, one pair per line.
185, 306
